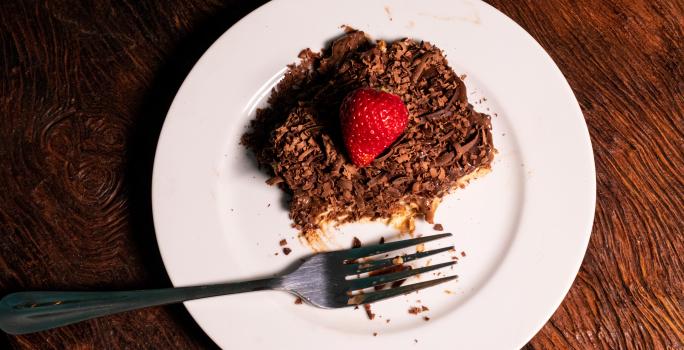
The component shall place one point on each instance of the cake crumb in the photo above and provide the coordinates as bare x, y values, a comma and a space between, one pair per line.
298, 301
463, 254
287, 250
283, 242
438, 227
398, 260
375, 334
420, 248
369, 312
425, 318
382, 240
448, 291
415, 341
387, 321
424, 308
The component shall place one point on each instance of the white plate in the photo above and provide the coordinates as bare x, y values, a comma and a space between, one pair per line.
525, 226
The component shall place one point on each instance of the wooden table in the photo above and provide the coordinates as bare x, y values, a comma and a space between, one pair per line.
84, 89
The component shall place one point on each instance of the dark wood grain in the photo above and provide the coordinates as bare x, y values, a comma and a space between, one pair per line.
84, 88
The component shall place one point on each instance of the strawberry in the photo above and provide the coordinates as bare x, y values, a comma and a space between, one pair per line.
371, 120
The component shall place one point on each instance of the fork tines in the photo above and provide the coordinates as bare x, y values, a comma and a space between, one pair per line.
393, 292
355, 268
371, 250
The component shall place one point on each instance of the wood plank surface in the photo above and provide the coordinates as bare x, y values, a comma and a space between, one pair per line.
85, 86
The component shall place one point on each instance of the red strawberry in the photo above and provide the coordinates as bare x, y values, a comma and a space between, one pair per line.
371, 120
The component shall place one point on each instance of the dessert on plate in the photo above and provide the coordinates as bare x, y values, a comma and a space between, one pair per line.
369, 130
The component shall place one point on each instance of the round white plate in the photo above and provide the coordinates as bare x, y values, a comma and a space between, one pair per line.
524, 227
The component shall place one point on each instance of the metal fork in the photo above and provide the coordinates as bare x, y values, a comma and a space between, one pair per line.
321, 280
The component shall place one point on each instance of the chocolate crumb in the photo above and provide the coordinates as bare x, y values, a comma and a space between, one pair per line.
426, 318
438, 227
415, 340
414, 310
375, 334
276, 253
287, 250
298, 301
463, 254
369, 313
283, 242
387, 321
356, 242
382, 240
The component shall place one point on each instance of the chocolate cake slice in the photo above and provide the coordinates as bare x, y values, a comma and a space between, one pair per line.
297, 137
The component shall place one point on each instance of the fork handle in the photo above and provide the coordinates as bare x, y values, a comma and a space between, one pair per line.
27, 312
